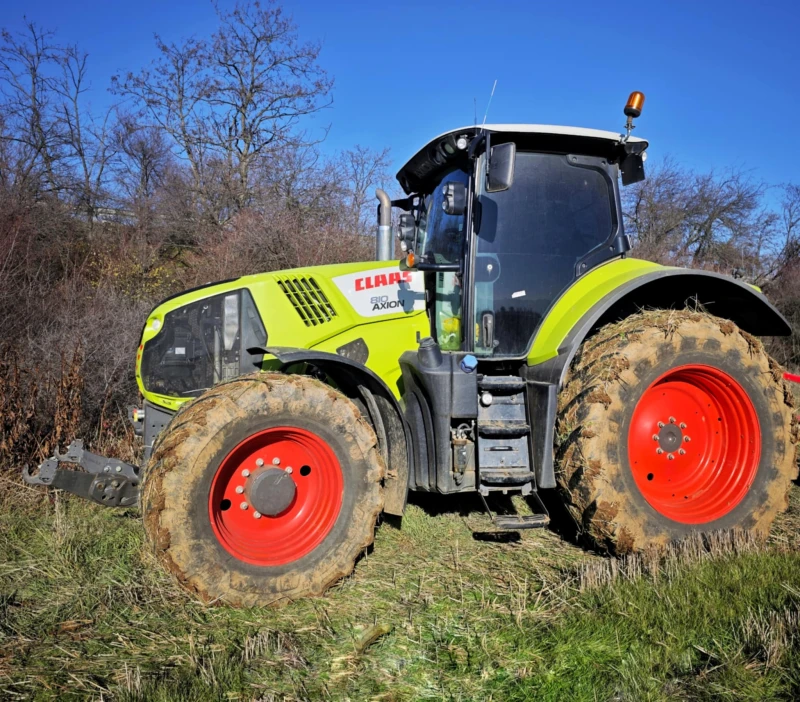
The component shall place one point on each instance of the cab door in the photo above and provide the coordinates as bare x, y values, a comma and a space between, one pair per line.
529, 242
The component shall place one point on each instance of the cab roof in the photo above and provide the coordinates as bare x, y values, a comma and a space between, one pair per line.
422, 169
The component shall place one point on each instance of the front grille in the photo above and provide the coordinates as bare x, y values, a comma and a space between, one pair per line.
308, 300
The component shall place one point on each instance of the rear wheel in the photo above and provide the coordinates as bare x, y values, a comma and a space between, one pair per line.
263, 490
671, 423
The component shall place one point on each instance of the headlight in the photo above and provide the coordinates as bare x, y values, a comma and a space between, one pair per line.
203, 343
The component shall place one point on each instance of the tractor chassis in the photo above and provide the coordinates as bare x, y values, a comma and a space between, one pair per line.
107, 481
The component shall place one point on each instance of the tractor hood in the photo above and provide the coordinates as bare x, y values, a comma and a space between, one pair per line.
194, 340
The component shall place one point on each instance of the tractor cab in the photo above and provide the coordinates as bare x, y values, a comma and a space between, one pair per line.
503, 218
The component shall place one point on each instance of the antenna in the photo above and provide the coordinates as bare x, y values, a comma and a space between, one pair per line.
488, 104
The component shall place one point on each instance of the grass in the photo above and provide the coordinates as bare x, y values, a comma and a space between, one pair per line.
430, 613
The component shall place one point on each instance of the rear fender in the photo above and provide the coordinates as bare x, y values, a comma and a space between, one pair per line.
659, 288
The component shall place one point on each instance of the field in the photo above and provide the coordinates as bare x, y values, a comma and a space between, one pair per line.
440, 609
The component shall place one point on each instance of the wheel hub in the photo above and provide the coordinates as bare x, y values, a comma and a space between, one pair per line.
271, 492
670, 438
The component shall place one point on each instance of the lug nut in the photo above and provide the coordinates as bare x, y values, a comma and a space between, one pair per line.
655, 437
661, 425
683, 425
244, 505
681, 452
687, 438
257, 515
670, 457
672, 420
288, 469
659, 451
260, 462
276, 461
246, 473
239, 489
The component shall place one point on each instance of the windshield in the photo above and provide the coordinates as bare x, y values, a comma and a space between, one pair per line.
529, 240
442, 238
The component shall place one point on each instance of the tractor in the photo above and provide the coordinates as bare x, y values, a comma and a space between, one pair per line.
515, 348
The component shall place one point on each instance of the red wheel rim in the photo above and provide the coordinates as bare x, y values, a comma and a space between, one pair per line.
694, 444
287, 454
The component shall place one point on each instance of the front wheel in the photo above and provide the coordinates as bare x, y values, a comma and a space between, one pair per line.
263, 490
672, 423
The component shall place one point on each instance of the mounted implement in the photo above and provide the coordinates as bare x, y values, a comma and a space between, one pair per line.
507, 352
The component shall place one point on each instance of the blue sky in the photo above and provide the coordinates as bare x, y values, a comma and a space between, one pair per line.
722, 79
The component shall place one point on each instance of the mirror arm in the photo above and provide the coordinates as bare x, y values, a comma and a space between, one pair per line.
476, 144
405, 204
439, 267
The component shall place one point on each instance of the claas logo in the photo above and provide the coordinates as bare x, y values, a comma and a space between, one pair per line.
370, 282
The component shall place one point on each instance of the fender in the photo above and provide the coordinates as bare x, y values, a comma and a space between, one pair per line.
638, 287
383, 410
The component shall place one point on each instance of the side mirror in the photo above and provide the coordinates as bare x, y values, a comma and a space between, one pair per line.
500, 174
454, 198
632, 162
406, 231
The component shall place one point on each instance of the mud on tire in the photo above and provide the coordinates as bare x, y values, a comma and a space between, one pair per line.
608, 378
202, 436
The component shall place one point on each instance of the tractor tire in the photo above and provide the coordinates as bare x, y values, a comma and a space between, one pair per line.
263, 490
669, 423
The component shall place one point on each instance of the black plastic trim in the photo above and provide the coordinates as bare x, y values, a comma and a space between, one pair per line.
444, 394
437, 267
616, 243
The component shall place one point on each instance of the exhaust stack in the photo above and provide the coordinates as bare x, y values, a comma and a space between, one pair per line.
384, 248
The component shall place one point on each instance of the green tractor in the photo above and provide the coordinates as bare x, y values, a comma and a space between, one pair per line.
516, 349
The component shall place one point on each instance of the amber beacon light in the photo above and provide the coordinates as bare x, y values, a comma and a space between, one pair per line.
633, 108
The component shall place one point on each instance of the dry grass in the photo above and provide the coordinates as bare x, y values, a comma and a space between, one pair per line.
430, 613
671, 561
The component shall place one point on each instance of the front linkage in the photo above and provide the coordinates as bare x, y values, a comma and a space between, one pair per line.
107, 481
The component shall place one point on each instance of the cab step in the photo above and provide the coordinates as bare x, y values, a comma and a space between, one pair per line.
517, 522
503, 427
501, 384
506, 476
514, 522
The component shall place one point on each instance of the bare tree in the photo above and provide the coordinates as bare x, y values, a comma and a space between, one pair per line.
708, 220
265, 80
87, 141
363, 169
787, 240
141, 167
228, 101
27, 60
781, 277
174, 95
